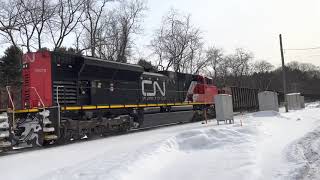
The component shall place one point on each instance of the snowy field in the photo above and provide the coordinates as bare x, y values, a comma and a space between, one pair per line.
269, 145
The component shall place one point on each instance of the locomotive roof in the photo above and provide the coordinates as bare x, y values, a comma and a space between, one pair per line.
290, 94
112, 64
154, 74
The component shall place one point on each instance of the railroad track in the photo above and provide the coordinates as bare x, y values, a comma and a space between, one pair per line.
97, 137
82, 140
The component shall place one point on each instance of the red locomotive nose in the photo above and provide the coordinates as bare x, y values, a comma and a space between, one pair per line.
36, 90
202, 90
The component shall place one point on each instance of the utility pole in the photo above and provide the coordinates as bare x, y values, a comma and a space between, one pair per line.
284, 79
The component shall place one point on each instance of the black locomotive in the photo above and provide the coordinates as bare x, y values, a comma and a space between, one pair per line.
67, 97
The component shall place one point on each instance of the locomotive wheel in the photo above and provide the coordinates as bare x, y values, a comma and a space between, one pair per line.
124, 128
101, 130
74, 135
63, 133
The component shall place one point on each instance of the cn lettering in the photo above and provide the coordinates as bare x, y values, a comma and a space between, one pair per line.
155, 86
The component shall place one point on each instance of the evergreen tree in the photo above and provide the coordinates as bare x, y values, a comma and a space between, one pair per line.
147, 65
10, 67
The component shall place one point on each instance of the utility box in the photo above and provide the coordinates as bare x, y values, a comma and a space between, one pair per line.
224, 108
294, 101
268, 101
302, 102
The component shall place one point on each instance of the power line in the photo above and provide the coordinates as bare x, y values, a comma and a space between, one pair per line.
302, 49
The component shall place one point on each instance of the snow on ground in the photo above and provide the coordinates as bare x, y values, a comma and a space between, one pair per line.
269, 145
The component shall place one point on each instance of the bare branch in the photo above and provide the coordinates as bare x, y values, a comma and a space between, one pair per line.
179, 44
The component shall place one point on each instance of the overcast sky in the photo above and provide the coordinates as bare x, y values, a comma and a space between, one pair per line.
251, 24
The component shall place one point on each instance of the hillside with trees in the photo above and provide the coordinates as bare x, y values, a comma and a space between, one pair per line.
107, 29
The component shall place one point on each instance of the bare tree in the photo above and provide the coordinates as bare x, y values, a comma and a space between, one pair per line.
262, 66
117, 28
304, 67
239, 64
195, 61
93, 10
310, 69
78, 32
105, 32
9, 20
26, 30
38, 13
32, 16
215, 59
293, 65
108, 36
67, 16
130, 15
261, 75
177, 42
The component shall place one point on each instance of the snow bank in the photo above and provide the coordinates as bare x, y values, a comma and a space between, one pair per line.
313, 105
171, 157
266, 114
268, 145
210, 138
197, 151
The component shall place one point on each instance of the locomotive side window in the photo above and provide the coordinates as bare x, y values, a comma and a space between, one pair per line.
84, 87
209, 81
200, 80
96, 84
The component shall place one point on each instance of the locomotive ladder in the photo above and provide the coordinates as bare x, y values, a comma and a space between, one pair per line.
48, 129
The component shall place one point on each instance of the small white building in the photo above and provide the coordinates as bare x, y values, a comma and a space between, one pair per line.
224, 108
268, 101
294, 101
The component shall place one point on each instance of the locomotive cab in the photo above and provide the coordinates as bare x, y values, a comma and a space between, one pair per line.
202, 90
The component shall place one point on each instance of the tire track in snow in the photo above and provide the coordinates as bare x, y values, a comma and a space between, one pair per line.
304, 154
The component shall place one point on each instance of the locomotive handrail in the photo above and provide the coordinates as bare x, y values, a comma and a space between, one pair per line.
35, 89
59, 108
57, 94
12, 103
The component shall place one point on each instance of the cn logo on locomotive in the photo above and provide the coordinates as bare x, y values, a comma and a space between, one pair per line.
29, 58
155, 86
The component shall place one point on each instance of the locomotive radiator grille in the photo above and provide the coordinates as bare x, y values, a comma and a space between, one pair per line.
67, 92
